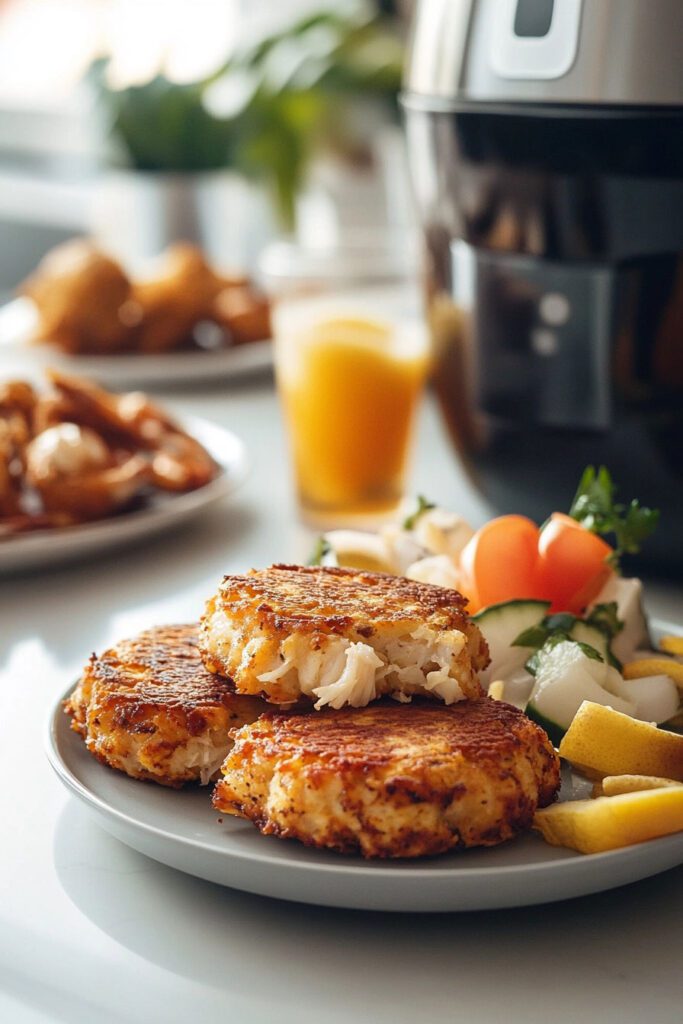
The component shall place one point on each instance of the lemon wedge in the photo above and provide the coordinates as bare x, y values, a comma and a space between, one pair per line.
601, 741
615, 785
610, 822
355, 549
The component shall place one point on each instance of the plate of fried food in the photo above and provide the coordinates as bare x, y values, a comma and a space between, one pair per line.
181, 321
355, 757
83, 470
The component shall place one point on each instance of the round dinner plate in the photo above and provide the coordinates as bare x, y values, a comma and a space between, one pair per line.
181, 829
39, 549
22, 359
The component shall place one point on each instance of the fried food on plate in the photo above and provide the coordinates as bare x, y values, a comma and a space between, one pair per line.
244, 313
78, 453
79, 293
17, 401
76, 474
149, 708
175, 299
341, 636
87, 304
131, 421
389, 781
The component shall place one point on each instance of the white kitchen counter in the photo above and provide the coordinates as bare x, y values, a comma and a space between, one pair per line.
91, 931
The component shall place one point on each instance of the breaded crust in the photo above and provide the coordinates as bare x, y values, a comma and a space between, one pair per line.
149, 708
284, 633
392, 781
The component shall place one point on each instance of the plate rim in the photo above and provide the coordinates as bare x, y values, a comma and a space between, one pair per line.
57, 727
410, 867
138, 369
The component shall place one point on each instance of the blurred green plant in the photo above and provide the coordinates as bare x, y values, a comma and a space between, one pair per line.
269, 109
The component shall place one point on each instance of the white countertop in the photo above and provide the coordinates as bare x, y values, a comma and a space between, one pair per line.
91, 931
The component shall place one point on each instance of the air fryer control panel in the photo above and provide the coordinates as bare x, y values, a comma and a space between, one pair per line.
540, 338
535, 38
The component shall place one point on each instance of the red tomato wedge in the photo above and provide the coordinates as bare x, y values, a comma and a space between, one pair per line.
572, 566
500, 562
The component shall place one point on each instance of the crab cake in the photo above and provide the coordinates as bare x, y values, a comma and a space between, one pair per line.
149, 708
390, 781
341, 637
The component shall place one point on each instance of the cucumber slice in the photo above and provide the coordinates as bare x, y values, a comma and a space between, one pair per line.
594, 637
564, 679
501, 624
628, 594
554, 731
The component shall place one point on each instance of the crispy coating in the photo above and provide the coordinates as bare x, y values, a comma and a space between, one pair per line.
79, 293
244, 313
171, 303
149, 708
343, 636
391, 781
178, 462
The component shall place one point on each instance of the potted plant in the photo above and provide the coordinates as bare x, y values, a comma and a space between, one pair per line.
222, 161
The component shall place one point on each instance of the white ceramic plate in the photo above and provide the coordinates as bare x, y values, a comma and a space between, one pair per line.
40, 549
19, 358
182, 830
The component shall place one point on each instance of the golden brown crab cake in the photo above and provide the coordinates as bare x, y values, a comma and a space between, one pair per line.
149, 708
392, 781
341, 637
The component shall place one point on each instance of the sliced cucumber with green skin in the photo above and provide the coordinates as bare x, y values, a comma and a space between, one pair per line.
501, 624
554, 731
594, 637
628, 594
564, 679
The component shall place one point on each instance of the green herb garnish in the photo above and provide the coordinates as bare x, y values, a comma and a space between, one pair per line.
561, 623
595, 508
532, 664
423, 505
605, 618
322, 549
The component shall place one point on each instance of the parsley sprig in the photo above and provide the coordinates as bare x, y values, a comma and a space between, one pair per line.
423, 505
595, 508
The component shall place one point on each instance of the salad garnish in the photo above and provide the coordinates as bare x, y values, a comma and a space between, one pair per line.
605, 617
423, 505
321, 549
553, 629
595, 508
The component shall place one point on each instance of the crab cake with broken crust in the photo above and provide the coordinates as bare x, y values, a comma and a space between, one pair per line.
149, 708
341, 637
390, 781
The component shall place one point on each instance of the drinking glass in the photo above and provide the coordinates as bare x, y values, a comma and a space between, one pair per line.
350, 371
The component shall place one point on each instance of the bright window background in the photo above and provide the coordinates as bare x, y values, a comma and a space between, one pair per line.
49, 140
47, 45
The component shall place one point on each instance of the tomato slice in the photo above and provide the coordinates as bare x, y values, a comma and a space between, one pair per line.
500, 562
572, 566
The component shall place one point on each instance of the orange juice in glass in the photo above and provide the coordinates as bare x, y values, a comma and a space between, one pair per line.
350, 384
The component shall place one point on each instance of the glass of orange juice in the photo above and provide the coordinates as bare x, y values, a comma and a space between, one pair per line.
350, 379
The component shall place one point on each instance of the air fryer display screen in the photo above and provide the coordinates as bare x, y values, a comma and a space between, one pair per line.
533, 18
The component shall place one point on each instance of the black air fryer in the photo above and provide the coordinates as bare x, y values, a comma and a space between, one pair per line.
546, 145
